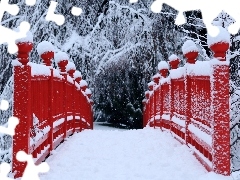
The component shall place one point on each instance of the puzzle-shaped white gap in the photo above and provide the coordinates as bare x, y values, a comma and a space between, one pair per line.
76, 11
31, 171
7, 35
210, 10
12, 121
30, 2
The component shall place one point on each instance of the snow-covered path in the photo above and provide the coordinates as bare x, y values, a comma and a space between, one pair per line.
147, 154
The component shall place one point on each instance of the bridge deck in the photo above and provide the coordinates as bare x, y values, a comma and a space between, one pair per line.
147, 154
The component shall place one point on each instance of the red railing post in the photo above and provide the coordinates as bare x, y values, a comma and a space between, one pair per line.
190, 51
83, 86
152, 105
163, 68
144, 112
174, 63
156, 79
61, 59
47, 58
220, 107
78, 78
22, 106
92, 117
71, 68
89, 93
147, 106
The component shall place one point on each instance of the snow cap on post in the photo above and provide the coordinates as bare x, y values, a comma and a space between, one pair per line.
45, 50
83, 85
174, 61
88, 92
219, 44
25, 46
71, 68
156, 78
144, 101
147, 94
151, 85
190, 51
27, 39
163, 68
91, 102
61, 59
78, 76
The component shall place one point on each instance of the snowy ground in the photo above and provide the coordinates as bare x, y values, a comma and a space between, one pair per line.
147, 154
105, 126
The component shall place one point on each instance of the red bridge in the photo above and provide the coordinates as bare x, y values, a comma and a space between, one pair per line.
192, 102
51, 104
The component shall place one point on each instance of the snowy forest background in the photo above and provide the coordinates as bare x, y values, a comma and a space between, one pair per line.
117, 46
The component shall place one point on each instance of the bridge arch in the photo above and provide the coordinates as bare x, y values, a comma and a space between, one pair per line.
51, 104
192, 102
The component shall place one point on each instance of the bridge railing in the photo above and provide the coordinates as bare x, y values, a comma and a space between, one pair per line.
192, 102
51, 104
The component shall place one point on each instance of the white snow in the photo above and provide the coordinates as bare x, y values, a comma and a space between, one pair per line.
58, 122
16, 63
216, 61
165, 80
69, 118
107, 154
151, 83
223, 36
163, 65
69, 79
77, 74
44, 46
77, 85
200, 68
28, 38
39, 69
177, 73
88, 91
60, 56
173, 57
83, 83
57, 74
178, 121
166, 117
39, 135
42, 152
189, 46
70, 66
157, 76
200, 134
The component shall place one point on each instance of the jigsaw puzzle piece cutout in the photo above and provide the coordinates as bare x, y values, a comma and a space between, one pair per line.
10, 130
76, 11
133, 1
10, 36
4, 105
12, 9
51, 16
4, 170
31, 171
209, 9
30, 2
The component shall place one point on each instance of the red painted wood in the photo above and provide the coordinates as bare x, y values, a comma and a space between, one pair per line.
221, 115
191, 98
50, 99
